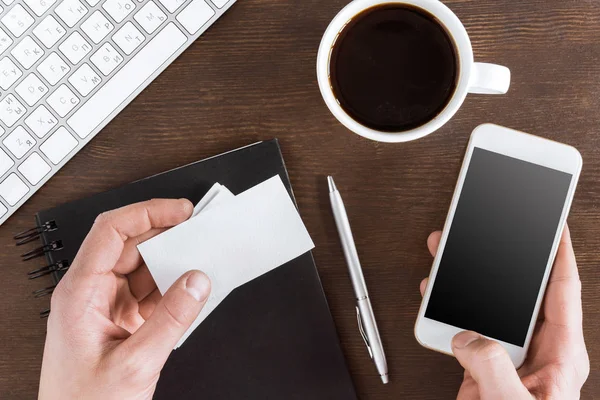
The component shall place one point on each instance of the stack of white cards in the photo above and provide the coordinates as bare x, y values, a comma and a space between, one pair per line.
233, 239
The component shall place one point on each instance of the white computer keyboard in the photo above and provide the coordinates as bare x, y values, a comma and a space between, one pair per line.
68, 67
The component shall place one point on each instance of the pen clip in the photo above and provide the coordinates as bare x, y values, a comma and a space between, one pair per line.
361, 329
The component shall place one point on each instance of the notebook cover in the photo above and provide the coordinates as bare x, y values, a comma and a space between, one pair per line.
273, 338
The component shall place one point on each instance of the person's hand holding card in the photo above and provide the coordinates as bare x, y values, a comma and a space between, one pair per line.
110, 331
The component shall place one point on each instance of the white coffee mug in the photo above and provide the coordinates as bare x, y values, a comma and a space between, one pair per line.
473, 77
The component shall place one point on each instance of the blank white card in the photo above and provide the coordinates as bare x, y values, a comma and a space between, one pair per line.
233, 243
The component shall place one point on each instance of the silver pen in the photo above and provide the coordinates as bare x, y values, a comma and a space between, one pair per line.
364, 312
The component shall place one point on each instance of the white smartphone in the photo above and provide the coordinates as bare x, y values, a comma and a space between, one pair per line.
500, 239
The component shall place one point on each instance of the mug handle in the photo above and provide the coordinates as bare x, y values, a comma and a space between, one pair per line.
489, 79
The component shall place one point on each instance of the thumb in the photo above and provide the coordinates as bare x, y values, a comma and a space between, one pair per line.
171, 318
490, 366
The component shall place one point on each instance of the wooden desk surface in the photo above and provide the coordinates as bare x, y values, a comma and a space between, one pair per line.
252, 77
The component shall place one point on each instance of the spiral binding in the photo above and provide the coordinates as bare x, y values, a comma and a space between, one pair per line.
31, 235
47, 270
40, 251
34, 233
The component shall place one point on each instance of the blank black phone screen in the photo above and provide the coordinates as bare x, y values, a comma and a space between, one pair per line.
498, 247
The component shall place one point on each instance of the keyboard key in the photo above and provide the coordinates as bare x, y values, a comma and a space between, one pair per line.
5, 41
220, 3
113, 95
63, 100
128, 38
17, 20
75, 48
3, 210
8, 2
9, 73
53, 68
118, 9
97, 27
39, 7
27, 52
41, 121
195, 16
49, 31
31, 89
6, 162
34, 168
13, 189
150, 17
172, 5
11, 110
84, 80
71, 11
58, 145
19, 142
106, 59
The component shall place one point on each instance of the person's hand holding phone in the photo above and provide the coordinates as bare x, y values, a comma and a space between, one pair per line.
557, 365
110, 331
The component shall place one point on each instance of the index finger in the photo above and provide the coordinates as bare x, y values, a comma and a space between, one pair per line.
104, 244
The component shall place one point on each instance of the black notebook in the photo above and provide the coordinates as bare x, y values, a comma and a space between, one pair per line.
273, 338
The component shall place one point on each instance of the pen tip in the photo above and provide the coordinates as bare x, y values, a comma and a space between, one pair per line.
385, 379
332, 187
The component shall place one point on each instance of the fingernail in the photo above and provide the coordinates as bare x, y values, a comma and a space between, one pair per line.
198, 285
187, 206
464, 339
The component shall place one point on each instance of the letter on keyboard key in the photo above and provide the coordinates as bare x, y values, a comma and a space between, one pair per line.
19, 142
34, 168
5, 162
49, 31
106, 59
128, 38
97, 27
63, 100
195, 16
17, 20
150, 17
75, 48
58, 145
11, 110
118, 9
41, 121
31, 89
120, 87
71, 11
9, 73
39, 7
13, 189
84, 80
27, 52
53, 68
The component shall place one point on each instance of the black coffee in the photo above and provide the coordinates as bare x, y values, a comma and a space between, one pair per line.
394, 68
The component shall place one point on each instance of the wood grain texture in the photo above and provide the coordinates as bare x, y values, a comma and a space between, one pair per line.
251, 77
